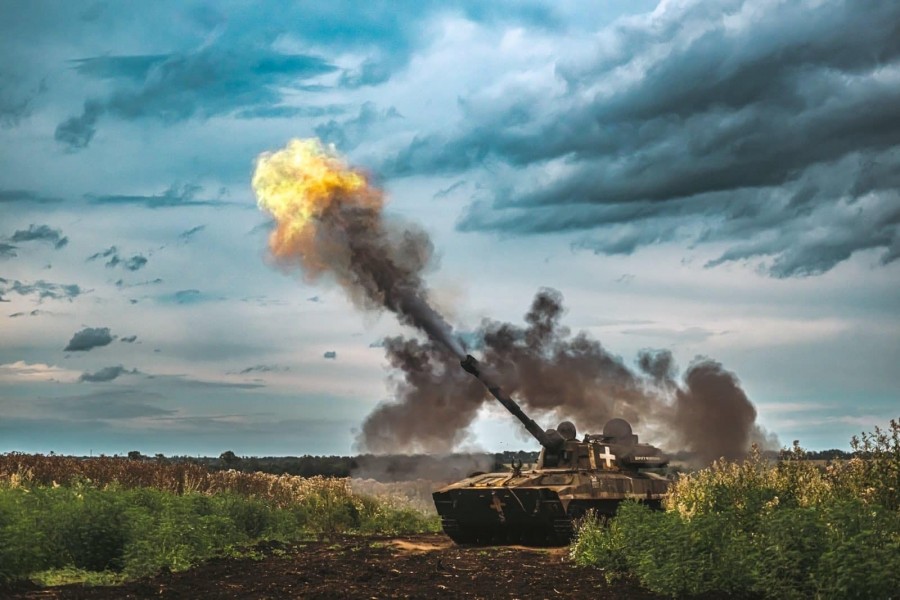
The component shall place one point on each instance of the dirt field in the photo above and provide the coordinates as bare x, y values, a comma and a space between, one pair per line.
351, 567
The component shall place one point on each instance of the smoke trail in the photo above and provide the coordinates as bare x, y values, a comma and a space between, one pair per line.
434, 401
557, 375
329, 220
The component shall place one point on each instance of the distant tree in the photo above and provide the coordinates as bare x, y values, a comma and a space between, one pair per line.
160, 457
135, 455
229, 458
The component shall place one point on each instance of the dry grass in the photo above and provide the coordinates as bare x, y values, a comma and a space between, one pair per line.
18, 469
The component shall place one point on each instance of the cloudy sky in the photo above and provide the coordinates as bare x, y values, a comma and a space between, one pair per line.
717, 178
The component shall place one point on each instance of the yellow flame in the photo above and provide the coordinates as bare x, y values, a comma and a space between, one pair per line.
297, 185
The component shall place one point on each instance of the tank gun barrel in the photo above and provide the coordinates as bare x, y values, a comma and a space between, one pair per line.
548, 441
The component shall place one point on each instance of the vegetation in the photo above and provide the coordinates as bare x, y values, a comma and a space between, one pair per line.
792, 529
103, 520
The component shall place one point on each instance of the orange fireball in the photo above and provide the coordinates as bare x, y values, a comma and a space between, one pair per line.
299, 186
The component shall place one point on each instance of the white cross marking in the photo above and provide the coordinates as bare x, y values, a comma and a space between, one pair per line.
608, 456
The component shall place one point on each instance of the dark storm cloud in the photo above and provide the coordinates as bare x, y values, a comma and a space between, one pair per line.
185, 236
187, 296
448, 190
240, 66
106, 374
89, 338
134, 262
109, 252
44, 290
40, 233
17, 95
77, 132
174, 196
263, 369
26, 196
704, 116
216, 79
32, 313
7, 250
12, 109
347, 134
121, 284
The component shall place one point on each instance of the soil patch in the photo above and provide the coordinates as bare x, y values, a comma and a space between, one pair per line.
425, 566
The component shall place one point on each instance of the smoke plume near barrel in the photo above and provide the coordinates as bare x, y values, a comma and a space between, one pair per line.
329, 220
557, 375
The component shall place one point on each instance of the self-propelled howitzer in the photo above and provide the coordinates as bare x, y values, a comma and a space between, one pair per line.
570, 478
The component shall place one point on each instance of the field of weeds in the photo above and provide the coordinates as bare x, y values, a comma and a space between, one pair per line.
107, 519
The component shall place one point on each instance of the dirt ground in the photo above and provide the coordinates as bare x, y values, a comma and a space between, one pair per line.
425, 566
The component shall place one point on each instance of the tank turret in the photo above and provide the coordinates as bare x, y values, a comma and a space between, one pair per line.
560, 446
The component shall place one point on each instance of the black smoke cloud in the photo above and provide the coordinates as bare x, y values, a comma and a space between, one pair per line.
40, 233
89, 338
434, 401
557, 375
704, 122
106, 374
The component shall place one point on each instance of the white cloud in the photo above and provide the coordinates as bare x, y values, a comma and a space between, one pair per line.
23, 372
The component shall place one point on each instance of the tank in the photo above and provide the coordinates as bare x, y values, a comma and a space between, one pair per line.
540, 505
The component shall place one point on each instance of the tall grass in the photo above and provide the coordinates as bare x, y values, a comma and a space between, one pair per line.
177, 478
785, 530
132, 518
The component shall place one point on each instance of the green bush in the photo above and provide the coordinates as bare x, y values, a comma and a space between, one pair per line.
787, 551
24, 547
62, 531
750, 528
601, 542
862, 552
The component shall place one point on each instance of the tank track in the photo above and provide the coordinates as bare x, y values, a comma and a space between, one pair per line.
559, 533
